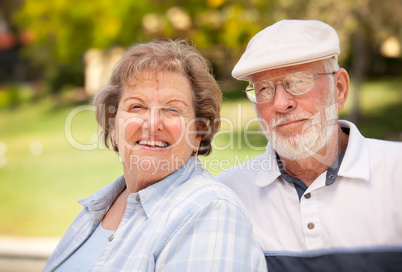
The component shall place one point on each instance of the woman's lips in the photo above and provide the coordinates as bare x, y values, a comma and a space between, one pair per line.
153, 144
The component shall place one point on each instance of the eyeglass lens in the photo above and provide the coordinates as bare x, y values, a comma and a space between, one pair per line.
297, 83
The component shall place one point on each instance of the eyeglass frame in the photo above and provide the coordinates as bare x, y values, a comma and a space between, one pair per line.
316, 74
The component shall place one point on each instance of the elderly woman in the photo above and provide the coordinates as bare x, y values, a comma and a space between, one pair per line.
159, 111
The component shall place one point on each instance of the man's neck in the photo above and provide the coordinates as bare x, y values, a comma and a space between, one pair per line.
308, 169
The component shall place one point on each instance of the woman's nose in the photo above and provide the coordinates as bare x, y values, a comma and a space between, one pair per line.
153, 120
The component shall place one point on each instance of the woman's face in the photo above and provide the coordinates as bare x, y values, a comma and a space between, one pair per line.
155, 127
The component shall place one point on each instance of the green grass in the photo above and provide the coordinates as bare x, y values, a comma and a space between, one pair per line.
38, 190
42, 174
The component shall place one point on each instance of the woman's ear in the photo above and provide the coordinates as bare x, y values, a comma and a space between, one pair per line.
341, 87
112, 134
203, 129
198, 140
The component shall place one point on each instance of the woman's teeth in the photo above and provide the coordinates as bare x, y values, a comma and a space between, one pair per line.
153, 143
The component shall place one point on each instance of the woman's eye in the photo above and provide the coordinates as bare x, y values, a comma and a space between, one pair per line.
136, 108
172, 111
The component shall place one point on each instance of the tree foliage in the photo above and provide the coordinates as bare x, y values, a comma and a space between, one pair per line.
64, 29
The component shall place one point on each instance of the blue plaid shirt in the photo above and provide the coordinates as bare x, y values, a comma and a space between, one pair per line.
186, 222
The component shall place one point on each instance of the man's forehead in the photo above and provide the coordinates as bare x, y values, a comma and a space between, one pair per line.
315, 67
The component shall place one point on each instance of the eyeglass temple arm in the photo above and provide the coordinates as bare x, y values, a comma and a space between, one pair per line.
331, 73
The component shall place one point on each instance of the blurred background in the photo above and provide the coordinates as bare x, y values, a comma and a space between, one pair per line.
55, 54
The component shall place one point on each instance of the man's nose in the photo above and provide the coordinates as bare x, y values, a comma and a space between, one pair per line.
283, 101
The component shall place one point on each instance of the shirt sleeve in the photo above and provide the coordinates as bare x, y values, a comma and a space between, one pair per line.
215, 237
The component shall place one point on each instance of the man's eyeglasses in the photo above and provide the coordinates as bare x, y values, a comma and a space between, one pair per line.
296, 84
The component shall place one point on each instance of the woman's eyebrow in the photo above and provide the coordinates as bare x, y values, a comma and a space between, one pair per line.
170, 101
132, 98
173, 101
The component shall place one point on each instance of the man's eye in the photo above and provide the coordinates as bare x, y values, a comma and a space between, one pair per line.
265, 89
297, 84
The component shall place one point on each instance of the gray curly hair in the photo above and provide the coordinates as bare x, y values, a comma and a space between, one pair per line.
164, 56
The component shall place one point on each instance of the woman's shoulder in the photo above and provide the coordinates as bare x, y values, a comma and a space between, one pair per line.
199, 199
203, 189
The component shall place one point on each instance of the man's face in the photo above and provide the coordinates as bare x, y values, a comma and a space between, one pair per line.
298, 125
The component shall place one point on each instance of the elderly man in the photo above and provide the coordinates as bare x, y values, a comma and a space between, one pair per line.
322, 197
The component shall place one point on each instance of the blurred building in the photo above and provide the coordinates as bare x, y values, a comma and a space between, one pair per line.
98, 67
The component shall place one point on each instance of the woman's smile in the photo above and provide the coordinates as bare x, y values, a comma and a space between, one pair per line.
153, 144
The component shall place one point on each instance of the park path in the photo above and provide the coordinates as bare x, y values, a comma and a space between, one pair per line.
18, 254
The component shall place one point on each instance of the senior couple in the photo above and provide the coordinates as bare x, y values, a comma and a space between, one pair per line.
332, 201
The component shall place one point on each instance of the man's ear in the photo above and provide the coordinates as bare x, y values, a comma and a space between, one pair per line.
341, 87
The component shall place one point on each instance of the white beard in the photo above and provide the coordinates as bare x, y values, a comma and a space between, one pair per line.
316, 132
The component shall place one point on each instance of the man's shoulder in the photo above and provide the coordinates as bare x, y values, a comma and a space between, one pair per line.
263, 168
389, 148
388, 145
383, 151
252, 166
375, 147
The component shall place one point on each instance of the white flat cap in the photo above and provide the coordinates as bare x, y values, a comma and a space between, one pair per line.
287, 43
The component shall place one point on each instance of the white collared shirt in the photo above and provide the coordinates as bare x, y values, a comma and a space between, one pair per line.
360, 212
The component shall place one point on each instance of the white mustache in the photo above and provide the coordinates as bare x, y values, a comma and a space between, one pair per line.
289, 118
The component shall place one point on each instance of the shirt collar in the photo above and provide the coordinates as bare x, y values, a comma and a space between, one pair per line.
356, 162
151, 196
105, 197
269, 168
99, 203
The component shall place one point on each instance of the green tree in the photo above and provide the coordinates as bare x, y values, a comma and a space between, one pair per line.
363, 25
221, 29
64, 29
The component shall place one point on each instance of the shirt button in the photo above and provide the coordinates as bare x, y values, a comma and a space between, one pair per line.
307, 196
111, 237
137, 198
310, 225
